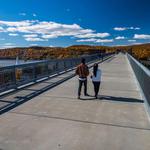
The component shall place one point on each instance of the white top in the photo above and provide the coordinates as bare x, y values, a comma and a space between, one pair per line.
98, 76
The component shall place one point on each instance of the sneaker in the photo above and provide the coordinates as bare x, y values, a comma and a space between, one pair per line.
86, 95
96, 96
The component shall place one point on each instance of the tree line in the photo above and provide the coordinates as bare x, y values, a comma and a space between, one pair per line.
141, 52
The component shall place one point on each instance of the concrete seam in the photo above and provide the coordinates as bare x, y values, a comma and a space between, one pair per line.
81, 121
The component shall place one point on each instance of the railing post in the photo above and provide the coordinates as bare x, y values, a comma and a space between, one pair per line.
65, 68
34, 73
47, 68
14, 76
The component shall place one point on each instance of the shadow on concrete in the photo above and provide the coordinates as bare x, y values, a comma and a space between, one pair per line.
109, 60
15, 101
120, 99
90, 98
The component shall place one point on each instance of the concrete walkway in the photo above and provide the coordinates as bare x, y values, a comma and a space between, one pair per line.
57, 120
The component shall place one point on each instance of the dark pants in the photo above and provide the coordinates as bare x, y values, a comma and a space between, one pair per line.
84, 82
96, 87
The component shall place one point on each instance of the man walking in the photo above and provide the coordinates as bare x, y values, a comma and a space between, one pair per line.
82, 71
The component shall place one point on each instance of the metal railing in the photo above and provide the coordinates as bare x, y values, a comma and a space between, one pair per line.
143, 76
12, 77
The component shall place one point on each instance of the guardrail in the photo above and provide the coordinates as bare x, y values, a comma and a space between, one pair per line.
143, 76
12, 77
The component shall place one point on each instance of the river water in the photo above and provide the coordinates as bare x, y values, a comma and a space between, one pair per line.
8, 62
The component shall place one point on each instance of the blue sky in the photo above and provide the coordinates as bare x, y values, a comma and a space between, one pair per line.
69, 22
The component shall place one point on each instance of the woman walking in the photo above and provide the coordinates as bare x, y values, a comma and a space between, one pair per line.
96, 79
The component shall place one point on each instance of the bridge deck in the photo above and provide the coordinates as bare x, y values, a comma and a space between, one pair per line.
56, 119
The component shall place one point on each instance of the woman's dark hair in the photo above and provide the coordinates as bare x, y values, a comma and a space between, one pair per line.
95, 67
83, 60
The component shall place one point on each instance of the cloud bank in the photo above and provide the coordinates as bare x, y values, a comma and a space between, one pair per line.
96, 40
35, 30
142, 36
126, 28
120, 38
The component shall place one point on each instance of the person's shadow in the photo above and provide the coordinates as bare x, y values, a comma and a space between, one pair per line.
89, 97
120, 99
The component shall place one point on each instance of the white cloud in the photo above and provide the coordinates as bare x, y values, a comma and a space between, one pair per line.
30, 35
104, 41
131, 40
120, 38
92, 35
22, 14
13, 34
96, 40
126, 28
35, 30
16, 24
49, 36
51, 29
87, 40
142, 36
34, 39
119, 28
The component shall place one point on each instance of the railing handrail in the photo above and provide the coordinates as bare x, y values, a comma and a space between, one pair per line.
45, 61
143, 78
146, 70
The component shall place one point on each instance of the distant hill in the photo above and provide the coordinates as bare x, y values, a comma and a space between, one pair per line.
141, 51
37, 52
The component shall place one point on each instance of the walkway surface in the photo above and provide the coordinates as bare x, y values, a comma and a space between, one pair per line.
56, 119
